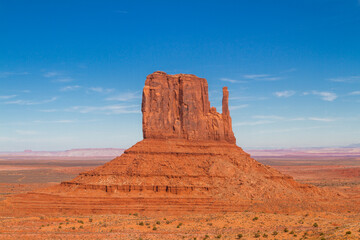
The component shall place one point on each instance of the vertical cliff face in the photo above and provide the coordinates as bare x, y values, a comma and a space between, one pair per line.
177, 106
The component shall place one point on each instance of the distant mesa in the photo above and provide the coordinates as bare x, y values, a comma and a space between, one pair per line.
187, 162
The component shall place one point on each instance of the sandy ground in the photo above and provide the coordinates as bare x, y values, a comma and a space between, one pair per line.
340, 175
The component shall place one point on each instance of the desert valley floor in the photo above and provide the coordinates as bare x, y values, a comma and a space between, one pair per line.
342, 174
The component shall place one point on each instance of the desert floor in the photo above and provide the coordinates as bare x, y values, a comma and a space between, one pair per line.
23, 175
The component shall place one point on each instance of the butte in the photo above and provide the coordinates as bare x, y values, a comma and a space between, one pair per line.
188, 161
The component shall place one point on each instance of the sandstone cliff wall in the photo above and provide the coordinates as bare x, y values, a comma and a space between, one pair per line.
177, 106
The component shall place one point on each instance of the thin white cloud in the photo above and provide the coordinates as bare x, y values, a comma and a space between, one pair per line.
232, 80
109, 109
63, 80
262, 77
355, 92
247, 98
29, 102
322, 119
231, 108
52, 74
125, 97
289, 129
7, 97
287, 119
8, 74
253, 123
26, 132
326, 96
349, 79
101, 90
49, 110
285, 94
273, 117
54, 121
70, 88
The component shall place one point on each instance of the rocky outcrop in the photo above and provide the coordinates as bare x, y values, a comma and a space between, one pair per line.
187, 162
177, 106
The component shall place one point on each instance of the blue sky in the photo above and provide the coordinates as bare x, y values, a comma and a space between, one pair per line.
72, 72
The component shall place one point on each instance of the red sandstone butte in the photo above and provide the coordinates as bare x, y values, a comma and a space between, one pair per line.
178, 107
187, 162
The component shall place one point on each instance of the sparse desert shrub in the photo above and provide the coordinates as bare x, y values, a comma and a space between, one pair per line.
135, 214
265, 235
42, 218
179, 225
147, 224
348, 233
255, 218
167, 222
218, 236
286, 230
59, 227
82, 227
315, 225
292, 232
67, 220
257, 235
210, 224
141, 223
275, 233
239, 236
154, 228
80, 221
90, 219
73, 228
158, 222
321, 234
206, 236
323, 238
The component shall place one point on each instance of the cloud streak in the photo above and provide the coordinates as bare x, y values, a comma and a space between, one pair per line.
26, 132
101, 90
108, 109
125, 97
285, 94
70, 88
29, 102
262, 77
349, 79
7, 97
232, 80
355, 92
8, 74
326, 96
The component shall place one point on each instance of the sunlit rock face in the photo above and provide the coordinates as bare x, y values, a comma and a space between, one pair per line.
177, 106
